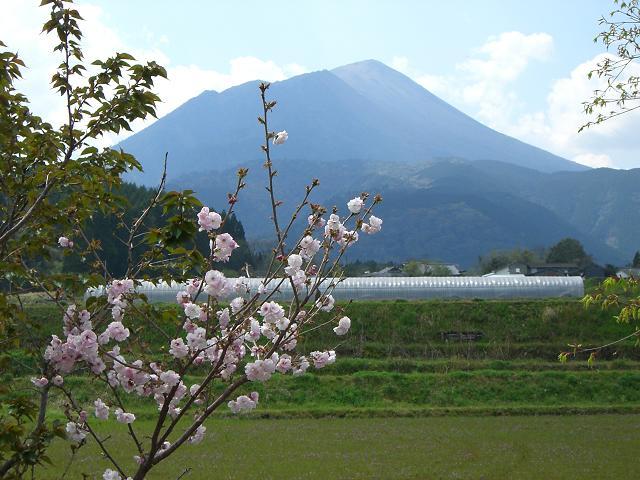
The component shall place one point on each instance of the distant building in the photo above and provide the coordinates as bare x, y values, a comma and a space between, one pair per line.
551, 270
628, 272
423, 269
513, 269
554, 270
393, 271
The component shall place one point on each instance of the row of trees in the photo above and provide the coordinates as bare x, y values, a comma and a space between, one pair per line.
567, 250
109, 232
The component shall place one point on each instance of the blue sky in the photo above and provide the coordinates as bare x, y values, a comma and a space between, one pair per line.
435, 36
518, 66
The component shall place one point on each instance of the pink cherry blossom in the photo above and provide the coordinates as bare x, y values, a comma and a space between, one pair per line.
217, 284
237, 304
223, 317
198, 435
322, 359
374, 225
208, 220
170, 377
343, 326
111, 475
316, 222
178, 348
192, 310
117, 331
40, 382
64, 242
355, 205
271, 312
102, 410
124, 417
284, 364
75, 432
223, 247
280, 137
325, 303
309, 247
260, 370
244, 403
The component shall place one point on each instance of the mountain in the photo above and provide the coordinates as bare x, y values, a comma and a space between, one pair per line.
454, 189
364, 111
449, 209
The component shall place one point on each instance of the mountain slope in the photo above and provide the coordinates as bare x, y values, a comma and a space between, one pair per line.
364, 111
453, 210
437, 128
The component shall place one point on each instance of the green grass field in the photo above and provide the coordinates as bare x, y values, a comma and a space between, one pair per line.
532, 447
402, 402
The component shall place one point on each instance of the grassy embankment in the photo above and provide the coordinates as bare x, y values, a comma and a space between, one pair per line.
395, 362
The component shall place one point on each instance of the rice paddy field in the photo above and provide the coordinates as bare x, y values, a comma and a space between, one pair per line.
407, 399
467, 447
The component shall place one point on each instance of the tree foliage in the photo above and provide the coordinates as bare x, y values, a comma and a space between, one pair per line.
54, 178
498, 259
568, 250
620, 71
622, 95
109, 232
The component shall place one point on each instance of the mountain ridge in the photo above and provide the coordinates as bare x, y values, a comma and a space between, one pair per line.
329, 114
458, 218
365, 126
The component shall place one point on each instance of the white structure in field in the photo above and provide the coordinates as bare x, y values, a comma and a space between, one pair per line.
407, 288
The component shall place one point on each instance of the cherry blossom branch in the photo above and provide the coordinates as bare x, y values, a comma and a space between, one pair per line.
100, 442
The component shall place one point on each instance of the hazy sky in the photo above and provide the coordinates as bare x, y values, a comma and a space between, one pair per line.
517, 66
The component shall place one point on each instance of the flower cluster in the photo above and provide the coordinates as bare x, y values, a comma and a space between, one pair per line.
208, 220
244, 403
294, 270
280, 137
110, 474
64, 242
198, 435
343, 326
224, 247
102, 410
374, 225
261, 370
223, 345
75, 432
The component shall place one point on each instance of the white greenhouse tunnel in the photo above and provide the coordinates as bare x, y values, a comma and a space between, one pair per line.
405, 288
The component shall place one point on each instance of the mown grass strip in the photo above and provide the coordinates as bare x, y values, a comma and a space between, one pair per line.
481, 389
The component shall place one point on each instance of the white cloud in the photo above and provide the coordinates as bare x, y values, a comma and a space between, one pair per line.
187, 81
507, 56
400, 63
484, 82
593, 160
486, 88
489, 75
612, 143
20, 32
